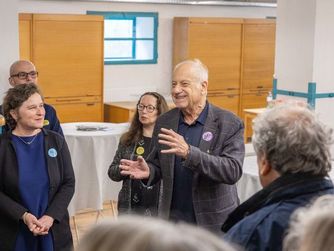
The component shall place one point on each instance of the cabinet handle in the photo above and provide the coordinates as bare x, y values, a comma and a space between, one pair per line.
68, 100
216, 94
90, 104
260, 86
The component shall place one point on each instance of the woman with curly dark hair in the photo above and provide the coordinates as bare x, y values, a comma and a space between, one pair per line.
37, 178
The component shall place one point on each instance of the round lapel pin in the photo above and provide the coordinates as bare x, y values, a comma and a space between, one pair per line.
52, 152
140, 150
207, 136
46, 122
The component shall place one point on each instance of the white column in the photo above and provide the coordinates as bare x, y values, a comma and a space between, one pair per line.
9, 42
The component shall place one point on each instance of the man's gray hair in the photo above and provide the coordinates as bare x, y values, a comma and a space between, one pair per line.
293, 140
201, 69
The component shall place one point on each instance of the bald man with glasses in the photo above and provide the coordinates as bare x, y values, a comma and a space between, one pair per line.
24, 72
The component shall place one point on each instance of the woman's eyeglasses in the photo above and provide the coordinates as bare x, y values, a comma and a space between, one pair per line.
149, 108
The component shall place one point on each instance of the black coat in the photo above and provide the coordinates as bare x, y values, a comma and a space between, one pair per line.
61, 190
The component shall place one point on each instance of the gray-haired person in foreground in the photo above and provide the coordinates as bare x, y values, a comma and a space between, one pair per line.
311, 228
293, 156
134, 233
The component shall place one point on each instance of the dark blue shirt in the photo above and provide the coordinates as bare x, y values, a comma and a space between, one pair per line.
182, 208
51, 120
34, 189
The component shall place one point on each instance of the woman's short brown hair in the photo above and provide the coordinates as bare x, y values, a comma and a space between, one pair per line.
14, 98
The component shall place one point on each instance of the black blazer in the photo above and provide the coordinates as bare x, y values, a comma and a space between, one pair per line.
61, 190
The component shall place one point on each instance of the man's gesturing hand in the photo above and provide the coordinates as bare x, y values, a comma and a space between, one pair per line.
175, 141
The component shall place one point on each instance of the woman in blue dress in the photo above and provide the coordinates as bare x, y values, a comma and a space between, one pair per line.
36, 178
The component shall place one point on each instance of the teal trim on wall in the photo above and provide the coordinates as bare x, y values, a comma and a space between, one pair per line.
311, 94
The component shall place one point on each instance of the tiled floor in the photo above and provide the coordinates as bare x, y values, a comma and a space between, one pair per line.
85, 219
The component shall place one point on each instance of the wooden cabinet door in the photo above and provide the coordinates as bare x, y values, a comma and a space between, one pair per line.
253, 99
25, 33
227, 101
76, 109
79, 112
258, 54
68, 53
217, 43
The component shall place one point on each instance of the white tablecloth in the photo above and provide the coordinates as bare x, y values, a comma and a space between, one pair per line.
249, 182
92, 152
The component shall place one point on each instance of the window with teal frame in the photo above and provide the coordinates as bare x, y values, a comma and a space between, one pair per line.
130, 37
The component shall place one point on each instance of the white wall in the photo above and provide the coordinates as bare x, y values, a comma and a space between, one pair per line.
294, 44
127, 82
323, 64
9, 48
305, 51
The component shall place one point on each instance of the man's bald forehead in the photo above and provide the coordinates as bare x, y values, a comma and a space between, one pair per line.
15, 67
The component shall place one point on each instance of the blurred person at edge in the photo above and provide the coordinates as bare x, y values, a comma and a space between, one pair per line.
311, 227
293, 157
37, 178
24, 72
197, 152
134, 233
135, 197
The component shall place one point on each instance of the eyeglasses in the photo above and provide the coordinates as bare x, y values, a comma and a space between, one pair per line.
149, 108
23, 75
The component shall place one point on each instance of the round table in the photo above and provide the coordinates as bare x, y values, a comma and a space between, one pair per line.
92, 152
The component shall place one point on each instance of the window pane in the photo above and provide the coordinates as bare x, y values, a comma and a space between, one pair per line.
118, 49
144, 50
118, 28
145, 27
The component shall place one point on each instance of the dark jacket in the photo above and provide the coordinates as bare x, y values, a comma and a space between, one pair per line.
260, 222
216, 163
149, 194
61, 190
51, 120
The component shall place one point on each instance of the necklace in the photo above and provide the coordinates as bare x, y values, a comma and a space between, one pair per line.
28, 142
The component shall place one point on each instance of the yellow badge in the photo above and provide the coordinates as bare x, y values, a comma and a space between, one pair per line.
140, 150
46, 122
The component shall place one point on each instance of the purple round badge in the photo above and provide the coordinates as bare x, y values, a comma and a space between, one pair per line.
207, 136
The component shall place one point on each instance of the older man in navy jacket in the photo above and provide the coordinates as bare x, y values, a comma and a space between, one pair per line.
294, 159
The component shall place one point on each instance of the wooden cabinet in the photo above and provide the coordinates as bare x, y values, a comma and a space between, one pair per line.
68, 53
258, 54
249, 115
119, 112
216, 42
25, 33
228, 100
239, 54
